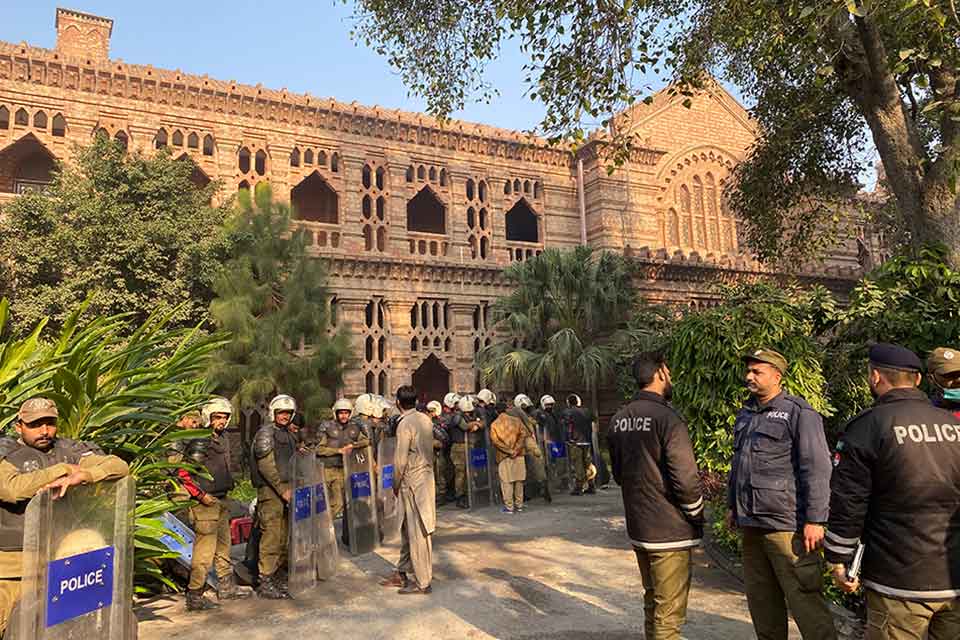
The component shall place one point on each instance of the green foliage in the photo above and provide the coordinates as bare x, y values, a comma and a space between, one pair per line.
122, 390
243, 491
273, 300
907, 301
561, 322
131, 234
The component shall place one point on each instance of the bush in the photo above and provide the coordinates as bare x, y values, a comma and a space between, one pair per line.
123, 391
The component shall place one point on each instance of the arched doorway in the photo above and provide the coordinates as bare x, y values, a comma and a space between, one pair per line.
431, 379
32, 163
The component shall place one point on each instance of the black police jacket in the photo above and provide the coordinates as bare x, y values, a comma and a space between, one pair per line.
896, 488
780, 475
654, 465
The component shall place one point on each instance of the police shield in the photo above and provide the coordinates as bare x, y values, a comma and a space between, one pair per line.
327, 552
361, 501
478, 470
388, 506
303, 526
78, 565
180, 541
558, 465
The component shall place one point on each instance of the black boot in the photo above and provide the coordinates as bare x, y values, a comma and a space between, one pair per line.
591, 489
269, 589
227, 589
463, 502
196, 601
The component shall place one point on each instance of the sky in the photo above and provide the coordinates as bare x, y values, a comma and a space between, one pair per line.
303, 46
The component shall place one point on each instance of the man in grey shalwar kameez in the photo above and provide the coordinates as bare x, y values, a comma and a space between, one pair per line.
413, 482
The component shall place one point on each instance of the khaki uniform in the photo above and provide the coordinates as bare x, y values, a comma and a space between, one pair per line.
780, 574
458, 455
581, 461
16, 487
535, 462
892, 619
666, 579
413, 471
211, 524
273, 520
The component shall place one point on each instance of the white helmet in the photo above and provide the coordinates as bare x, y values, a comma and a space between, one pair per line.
522, 401
216, 405
450, 400
282, 403
434, 408
342, 405
465, 404
547, 401
573, 400
381, 407
367, 405
486, 396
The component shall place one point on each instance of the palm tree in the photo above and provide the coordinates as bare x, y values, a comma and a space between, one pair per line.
562, 322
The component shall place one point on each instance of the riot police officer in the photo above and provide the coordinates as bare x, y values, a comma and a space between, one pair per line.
896, 491
533, 446
578, 424
486, 406
208, 514
441, 442
340, 437
368, 414
462, 422
273, 446
37, 460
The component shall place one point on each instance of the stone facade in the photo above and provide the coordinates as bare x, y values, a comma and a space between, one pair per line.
416, 220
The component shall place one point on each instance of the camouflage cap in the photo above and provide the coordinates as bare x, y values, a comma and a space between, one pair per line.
767, 356
943, 361
36, 408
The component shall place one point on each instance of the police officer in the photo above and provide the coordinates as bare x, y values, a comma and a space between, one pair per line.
486, 406
778, 495
34, 461
533, 446
441, 441
653, 463
273, 446
578, 424
333, 444
208, 514
896, 490
457, 430
368, 415
548, 420
943, 369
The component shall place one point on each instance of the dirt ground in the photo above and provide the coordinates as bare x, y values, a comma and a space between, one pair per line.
557, 571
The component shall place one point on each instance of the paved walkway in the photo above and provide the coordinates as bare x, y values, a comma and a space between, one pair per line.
559, 571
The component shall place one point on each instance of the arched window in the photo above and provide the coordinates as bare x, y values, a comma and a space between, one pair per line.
443, 177
421, 172
40, 120
21, 118
295, 157
469, 189
335, 162
425, 213
4, 118
365, 207
526, 186
381, 177
260, 162
537, 189
160, 140
482, 191
101, 133
433, 174
506, 188
243, 160
193, 141
122, 139
522, 223
367, 238
381, 208
366, 176
471, 218
673, 228
700, 226
381, 239
178, 138
483, 219
308, 157
315, 200
59, 126
409, 175
208, 145
484, 247
516, 186
321, 158
243, 186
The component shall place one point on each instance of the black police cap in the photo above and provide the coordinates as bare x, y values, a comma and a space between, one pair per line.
893, 356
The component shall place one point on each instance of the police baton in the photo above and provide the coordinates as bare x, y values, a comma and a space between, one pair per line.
853, 571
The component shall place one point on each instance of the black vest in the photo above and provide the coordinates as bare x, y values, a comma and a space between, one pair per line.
214, 454
27, 459
282, 448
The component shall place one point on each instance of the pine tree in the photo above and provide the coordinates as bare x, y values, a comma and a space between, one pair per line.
274, 302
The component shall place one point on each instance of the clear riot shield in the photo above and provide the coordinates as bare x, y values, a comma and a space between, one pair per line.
478, 470
361, 501
78, 565
495, 496
388, 505
328, 554
184, 548
303, 526
558, 466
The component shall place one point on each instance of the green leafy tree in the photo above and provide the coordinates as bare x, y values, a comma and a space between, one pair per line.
826, 79
129, 233
566, 313
273, 301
